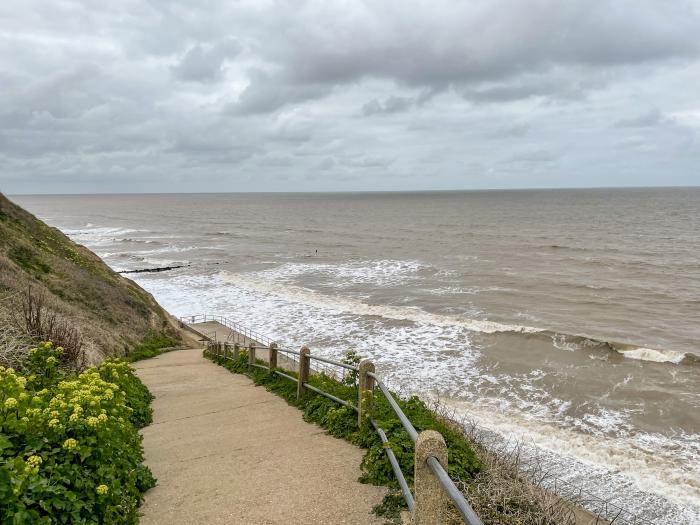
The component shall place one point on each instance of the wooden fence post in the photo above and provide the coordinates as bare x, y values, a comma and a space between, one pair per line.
236, 351
430, 498
365, 390
273, 356
304, 365
251, 354
225, 351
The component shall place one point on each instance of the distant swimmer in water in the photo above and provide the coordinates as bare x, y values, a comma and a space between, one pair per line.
316, 252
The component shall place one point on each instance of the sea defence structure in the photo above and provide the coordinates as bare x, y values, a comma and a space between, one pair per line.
433, 489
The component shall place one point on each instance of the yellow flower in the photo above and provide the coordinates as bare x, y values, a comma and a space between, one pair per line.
54, 423
10, 402
102, 418
70, 443
54, 413
34, 461
102, 489
92, 421
73, 418
50, 360
22, 381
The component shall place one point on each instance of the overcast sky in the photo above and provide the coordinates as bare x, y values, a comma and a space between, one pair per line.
225, 95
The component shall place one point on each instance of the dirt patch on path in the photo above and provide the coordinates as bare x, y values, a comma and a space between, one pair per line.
226, 451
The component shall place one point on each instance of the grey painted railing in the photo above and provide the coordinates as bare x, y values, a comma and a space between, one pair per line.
432, 484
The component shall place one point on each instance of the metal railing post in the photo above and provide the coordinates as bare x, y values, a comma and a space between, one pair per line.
251, 354
304, 363
430, 498
273, 356
365, 390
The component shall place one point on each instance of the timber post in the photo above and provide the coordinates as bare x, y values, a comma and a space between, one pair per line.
304, 365
365, 389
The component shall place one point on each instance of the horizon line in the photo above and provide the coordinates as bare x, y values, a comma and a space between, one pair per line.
320, 192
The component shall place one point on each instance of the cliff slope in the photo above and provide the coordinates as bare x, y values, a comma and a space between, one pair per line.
111, 312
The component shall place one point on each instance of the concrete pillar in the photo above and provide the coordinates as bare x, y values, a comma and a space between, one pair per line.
251, 353
365, 390
304, 365
430, 498
273, 356
220, 349
225, 351
236, 351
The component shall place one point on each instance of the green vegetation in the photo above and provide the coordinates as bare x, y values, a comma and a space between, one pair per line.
70, 451
153, 345
28, 260
341, 422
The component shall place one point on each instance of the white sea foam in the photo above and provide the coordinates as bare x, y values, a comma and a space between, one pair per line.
651, 354
297, 294
377, 273
629, 471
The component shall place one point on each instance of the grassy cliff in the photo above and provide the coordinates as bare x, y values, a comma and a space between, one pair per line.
112, 313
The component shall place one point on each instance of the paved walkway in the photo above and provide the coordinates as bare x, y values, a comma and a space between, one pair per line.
226, 451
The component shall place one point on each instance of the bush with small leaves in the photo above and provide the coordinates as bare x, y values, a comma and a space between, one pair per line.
70, 451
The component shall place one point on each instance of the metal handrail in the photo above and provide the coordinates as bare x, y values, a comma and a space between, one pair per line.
257, 337
405, 490
336, 363
435, 466
410, 429
460, 502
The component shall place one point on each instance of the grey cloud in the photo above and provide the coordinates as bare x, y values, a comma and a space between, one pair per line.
534, 156
392, 104
645, 120
326, 164
205, 63
518, 90
428, 45
251, 95
510, 131
267, 93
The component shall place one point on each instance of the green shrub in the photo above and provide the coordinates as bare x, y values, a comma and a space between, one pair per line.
70, 451
151, 346
28, 260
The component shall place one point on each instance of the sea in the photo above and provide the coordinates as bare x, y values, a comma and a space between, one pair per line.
565, 323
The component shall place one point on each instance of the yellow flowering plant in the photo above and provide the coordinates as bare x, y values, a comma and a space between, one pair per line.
69, 445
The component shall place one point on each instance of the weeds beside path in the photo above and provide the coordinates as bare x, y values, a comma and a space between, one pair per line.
225, 451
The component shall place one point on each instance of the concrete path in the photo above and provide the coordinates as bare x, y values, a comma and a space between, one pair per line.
226, 451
